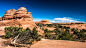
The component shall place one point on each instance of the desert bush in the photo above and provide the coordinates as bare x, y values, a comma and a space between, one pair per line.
48, 35
81, 35
59, 25
55, 37
46, 31
42, 28
8, 34
76, 32
57, 30
73, 29
65, 36
24, 36
28, 29
49, 25
67, 30
65, 27
10, 31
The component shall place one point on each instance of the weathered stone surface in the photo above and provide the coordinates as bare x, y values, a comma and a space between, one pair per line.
0, 18
9, 14
43, 22
18, 18
21, 10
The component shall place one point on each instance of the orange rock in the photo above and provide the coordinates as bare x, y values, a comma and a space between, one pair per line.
18, 18
43, 22
0, 18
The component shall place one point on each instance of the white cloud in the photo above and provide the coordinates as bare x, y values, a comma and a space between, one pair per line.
53, 21
60, 19
64, 20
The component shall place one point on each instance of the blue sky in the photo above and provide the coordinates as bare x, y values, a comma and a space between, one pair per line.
56, 11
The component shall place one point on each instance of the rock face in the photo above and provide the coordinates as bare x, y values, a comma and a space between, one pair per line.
43, 22
0, 18
9, 14
18, 17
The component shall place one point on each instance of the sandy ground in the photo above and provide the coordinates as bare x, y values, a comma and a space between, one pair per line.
59, 44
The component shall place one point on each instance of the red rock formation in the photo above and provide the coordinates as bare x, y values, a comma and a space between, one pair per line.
20, 18
9, 14
43, 22
0, 18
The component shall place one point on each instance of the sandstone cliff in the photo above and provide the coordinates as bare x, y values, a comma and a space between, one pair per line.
18, 17
0, 18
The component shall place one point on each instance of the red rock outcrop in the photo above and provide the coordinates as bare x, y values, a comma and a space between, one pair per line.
18, 17
0, 18
43, 22
9, 14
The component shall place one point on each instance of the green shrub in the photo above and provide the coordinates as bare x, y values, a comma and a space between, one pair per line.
47, 35
49, 25
28, 29
57, 30
39, 38
67, 30
42, 28
10, 31
9, 34
46, 31
76, 32
73, 29
25, 36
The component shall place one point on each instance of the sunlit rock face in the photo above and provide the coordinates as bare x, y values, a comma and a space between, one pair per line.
9, 14
0, 18
43, 22
18, 17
